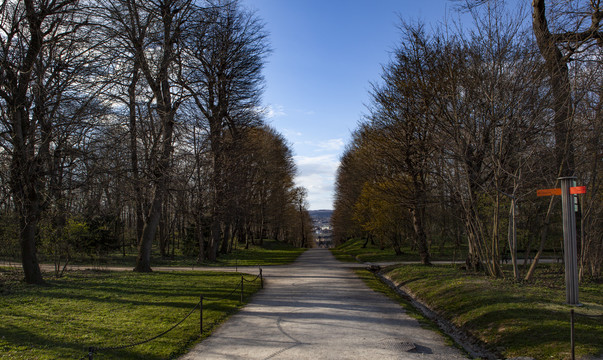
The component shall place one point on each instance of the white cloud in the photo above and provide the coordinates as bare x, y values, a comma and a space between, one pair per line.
272, 111
317, 174
332, 144
291, 133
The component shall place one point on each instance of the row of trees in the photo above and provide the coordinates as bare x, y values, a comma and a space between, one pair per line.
131, 119
463, 129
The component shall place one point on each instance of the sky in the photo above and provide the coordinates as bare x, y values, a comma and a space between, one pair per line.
325, 55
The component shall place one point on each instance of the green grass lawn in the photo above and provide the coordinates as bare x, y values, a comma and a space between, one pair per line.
105, 309
354, 250
514, 319
271, 252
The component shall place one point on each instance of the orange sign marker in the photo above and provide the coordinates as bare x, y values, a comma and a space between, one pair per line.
548, 192
551, 192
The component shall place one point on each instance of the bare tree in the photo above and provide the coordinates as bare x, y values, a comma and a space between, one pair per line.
403, 123
42, 54
226, 53
154, 32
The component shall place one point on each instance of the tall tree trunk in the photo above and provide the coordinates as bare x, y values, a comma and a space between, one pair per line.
226, 239
418, 217
26, 173
200, 237
493, 260
143, 261
512, 238
164, 234
171, 13
303, 227
138, 202
420, 236
162, 171
28, 206
562, 106
25, 178
217, 201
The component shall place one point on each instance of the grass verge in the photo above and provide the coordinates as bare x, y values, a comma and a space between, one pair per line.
271, 252
513, 319
359, 250
106, 309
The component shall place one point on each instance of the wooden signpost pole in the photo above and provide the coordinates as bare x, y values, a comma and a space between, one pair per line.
570, 248
569, 241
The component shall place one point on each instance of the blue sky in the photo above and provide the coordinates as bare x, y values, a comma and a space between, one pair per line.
325, 55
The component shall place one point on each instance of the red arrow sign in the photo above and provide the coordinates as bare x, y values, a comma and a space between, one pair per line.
552, 192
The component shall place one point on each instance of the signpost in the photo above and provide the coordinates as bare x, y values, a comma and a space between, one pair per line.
570, 251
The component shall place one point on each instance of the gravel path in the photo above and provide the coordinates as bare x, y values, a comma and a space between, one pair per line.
319, 309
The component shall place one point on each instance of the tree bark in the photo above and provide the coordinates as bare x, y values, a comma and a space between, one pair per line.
143, 261
24, 168
420, 236
27, 203
556, 64
166, 110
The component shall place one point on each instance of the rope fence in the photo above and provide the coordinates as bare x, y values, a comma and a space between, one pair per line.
95, 350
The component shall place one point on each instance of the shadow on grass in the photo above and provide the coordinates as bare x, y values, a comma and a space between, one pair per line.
538, 332
95, 308
522, 319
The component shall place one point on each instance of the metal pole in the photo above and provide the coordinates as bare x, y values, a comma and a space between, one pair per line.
261, 279
572, 333
242, 279
201, 315
569, 241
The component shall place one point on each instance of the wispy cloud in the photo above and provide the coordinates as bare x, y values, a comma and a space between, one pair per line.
273, 111
305, 112
291, 133
328, 146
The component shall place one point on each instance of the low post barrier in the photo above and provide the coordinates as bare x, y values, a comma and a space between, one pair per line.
572, 334
201, 316
242, 286
573, 316
95, 350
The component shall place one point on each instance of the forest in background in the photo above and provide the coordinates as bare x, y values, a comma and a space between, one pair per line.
131, 125
465, 126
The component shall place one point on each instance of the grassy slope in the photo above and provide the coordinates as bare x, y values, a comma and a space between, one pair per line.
514, 319
104, 309
353, 250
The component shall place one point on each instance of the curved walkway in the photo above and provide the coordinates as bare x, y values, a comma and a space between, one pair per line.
319, 309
